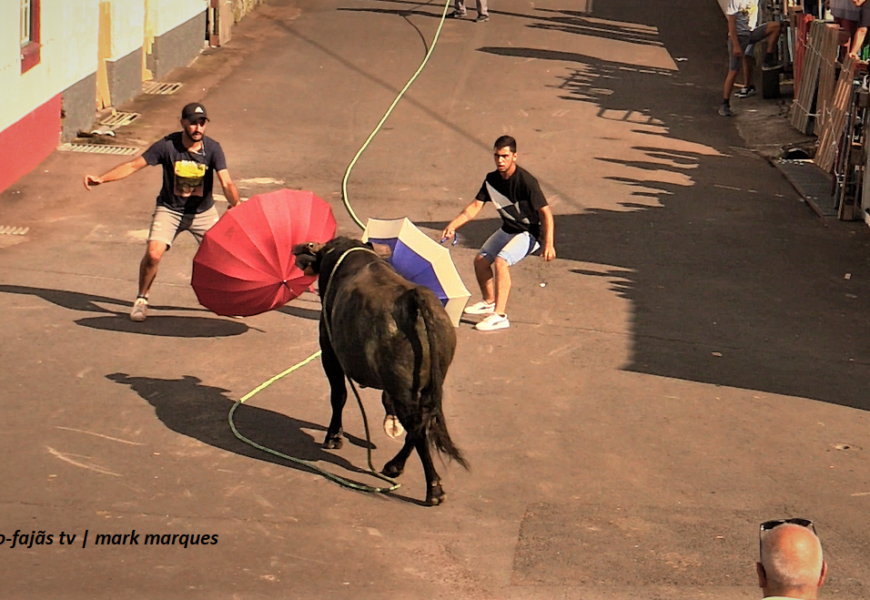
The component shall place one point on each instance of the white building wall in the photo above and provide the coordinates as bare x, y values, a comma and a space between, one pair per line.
9, 55
69, 36
68, 54
128, 26
172, 13
69, 51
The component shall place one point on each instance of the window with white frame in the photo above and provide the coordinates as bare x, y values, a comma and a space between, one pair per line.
29, 34
26, 22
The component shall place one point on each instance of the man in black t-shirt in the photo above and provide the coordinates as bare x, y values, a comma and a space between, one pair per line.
526, 221
189, 160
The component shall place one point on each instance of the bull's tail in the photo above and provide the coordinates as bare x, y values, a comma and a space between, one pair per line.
432, 393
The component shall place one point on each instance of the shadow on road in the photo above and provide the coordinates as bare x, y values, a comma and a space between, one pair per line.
302, 313
118, 320
594, 25
198, 411
732, 281
399, 12
167, 326
722, 296
67, 299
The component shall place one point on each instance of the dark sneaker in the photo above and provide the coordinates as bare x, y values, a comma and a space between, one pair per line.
769, 63
725, 110
481, 19
457, 15
745, 92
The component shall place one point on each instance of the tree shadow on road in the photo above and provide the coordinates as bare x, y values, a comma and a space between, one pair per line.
198, 411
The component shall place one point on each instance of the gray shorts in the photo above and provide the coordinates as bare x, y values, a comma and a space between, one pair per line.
512, 247
756, 35
166, 224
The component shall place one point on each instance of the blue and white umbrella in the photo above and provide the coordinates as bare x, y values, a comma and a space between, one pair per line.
421, 260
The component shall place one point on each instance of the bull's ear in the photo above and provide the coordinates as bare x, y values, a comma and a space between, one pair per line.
381, 250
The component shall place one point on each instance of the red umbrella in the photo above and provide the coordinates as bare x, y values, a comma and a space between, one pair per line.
245, 265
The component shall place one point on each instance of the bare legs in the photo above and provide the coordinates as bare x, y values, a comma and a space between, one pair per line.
494, 286
729, 84
771, 31
148, 267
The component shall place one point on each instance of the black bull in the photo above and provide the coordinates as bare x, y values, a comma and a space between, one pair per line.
386, 333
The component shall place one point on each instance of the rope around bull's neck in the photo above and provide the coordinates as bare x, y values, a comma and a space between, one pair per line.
346, 200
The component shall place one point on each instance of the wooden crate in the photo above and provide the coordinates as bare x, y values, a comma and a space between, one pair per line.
830, 50
834, 120
821, 49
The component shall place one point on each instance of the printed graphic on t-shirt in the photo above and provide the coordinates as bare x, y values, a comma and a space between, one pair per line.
746, 8
746, 15
502, 203
189, 176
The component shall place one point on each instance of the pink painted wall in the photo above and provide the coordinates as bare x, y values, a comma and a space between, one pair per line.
27, 142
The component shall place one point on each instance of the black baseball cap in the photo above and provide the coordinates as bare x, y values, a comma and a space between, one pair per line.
193, 112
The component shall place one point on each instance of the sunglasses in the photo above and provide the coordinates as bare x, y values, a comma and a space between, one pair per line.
773, 524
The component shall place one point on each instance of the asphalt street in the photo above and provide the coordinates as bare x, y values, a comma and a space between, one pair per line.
695, 361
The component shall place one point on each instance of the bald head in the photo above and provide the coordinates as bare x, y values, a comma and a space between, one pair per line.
791, 562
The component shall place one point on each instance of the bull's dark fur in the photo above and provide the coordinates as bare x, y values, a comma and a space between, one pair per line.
387, 334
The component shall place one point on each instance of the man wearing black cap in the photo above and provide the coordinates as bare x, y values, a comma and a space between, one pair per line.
189, 160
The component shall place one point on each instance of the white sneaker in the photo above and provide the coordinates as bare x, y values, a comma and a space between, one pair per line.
480, 308
493, 322
140, 310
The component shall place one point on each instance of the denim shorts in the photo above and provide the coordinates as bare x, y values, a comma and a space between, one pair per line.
511, 247
757, 34
166, 224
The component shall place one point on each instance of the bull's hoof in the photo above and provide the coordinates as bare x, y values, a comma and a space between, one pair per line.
392, 470
435, 496
333, 442
392, 427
